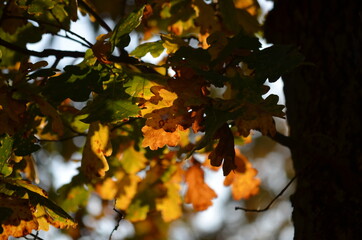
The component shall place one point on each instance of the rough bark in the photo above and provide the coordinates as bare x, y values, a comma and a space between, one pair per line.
324, 109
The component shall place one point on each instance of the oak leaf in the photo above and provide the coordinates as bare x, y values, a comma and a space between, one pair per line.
25, 207
133, 161
242, 180
97, 147
224, 150
199, 194
127, 189
48, 110
158, 138
162, 98
170, 206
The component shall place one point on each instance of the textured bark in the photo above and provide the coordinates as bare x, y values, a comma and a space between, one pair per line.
324, 109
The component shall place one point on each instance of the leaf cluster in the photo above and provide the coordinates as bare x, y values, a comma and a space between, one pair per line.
142, 124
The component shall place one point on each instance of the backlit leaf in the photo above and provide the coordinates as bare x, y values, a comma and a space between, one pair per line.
137, 211
154, 48
124, 27
97, 147
198, 193
242, 180
170, 206
133, 161
158, 138
6, 148
30, 209
127, 189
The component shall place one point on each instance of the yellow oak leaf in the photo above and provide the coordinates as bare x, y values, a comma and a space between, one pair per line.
158, 138
127, 189
107, 189
242, 180
170, 206
97, 147
199, 194
162, 99
133, 161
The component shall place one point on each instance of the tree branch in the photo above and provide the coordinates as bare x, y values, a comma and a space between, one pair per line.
91, 11
44, 53
283, 140
271, 202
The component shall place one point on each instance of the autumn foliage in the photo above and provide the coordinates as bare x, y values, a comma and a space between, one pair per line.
143, 123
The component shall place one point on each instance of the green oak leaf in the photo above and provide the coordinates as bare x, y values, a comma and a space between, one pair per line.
273, 62
154, 48
124, 27
76, 83
6, 149
113, 105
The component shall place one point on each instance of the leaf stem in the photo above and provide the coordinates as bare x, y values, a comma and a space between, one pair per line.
271, 202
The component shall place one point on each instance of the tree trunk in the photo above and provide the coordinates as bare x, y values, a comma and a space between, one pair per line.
324, 109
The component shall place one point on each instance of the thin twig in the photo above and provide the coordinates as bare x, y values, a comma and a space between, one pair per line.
92, 12
121, 217
36, 236
86, 42
61, 139
271, 202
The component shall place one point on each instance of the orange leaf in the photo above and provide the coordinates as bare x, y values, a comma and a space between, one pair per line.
199, 194
158, 138
242, 180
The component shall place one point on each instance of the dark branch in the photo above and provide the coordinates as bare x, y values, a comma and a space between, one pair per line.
91, 11
61, 139
121, 216
283, 140
86, 42
271, 202
44, 53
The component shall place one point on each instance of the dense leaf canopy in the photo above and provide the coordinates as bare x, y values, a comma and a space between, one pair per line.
148, 127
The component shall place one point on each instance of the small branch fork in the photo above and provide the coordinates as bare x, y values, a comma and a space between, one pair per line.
271, 202
121, 216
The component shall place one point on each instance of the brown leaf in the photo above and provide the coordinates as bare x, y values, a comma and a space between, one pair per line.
102, 49
224, 150
21, 220
199, 194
